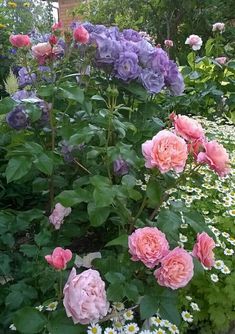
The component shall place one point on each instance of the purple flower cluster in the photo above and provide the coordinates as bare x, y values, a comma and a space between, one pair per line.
130, 56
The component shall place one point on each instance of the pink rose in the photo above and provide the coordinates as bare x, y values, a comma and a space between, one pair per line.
165, 151
216, 156
203, 249
194, 41
218, 26
221, 60
59, 258
81, 35
57, 26
168, 43
58, 214
188, 128
176, 269
20, 41
44, 51
195, 147
85, 297
148, 245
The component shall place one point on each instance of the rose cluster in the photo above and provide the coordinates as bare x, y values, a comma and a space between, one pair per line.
128, 56
169, 150
150, 246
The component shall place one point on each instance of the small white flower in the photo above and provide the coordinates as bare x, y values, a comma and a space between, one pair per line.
159, 331
94, 329
118, 325
145, 331
118, 306
173, 329
39, 308
52, 306
214, 278
231, 241
184, 225
225, 270
144, 187
228, 251
110, 330
232, 213
138, 182
225, 235
183, 238
166, 323
12, 327
187, 316
219, 264
146, 178
131, 328
189, 298
156, 321
128, 315
194, 306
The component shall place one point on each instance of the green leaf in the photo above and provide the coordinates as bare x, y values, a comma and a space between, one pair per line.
6, 105
131, 292
154, 193
43, 238
14, 300
29, 320
44, 164
71, 197
45, 91
122, 240
197, 222
72, 93
29, 250
103, 196
115, 292
97, 216
169, 223
98, 98
17, 168
115, 277
148, 306
59, 323
168, 307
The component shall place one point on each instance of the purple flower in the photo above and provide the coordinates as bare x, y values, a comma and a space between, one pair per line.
25, 78
23, 94
152, 81
46, 74
146, 51
69, 151
120, 167
108, 50
45, 109
174, 79
159, 61
131, 35
17, 118
126, 66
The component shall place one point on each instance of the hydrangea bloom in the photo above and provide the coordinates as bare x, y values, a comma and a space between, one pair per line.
17, 118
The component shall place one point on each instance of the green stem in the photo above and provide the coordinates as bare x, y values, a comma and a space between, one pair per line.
60, 285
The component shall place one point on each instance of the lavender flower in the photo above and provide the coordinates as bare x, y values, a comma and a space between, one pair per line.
46, 74
120, 167
45, 109
159, 61
17, 118
131, 35
23, 94
152, 81
108, 49
127, 67
25, 78
174, 79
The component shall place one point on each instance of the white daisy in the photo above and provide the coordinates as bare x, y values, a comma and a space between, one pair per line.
118, 325
225, 270
94, 329
225, 235
145, 331
231, 240
110, 330
159, 331
194, 306
128, 315
12, 327
228, 251
131, 328
39, 308
146, 178
166, 323
189, 298
156, 321
183, 238
52, 306
232, 213
138, 182
144, 187
219, 264
214, 278
187, 316
184, 225
173, 329
118, 306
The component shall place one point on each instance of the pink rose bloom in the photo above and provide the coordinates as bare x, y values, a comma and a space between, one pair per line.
42, 51
219, 26
188, 128
195, 147
148, 245
203, 249
57, 26
59, 258
168, 43
176, 269
20, 41
165, 151
85, 297
81, 35
221, 60
58, 214
194, 41
216, 156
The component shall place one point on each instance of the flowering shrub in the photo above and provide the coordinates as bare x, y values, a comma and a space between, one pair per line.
81, 176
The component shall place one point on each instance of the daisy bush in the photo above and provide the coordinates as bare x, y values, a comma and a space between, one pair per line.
116, 207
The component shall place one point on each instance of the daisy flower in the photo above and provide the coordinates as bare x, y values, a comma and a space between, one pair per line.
94, 329
194, 306
131, 328
187, 316
214, 278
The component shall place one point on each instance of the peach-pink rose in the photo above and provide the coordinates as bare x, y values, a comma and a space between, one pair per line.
20, 41
59, 258
176, 269
165, 151
58, 215
148, 245
216, 156
203, 249
188, 128
81, 35
85, 297
42, 51
221, 60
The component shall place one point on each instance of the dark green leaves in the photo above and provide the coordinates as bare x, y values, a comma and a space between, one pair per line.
17, 168
29, 321
71, 92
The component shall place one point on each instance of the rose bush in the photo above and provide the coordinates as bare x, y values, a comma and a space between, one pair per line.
74, 181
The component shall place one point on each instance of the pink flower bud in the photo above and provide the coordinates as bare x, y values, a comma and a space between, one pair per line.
81, 35
168, 43
20, 41
59, 258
